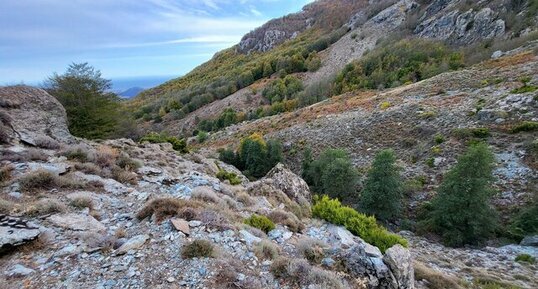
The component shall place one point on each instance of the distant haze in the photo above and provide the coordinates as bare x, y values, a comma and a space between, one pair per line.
125, 83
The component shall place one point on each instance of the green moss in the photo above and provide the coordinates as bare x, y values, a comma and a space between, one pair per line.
359, 224
261, 222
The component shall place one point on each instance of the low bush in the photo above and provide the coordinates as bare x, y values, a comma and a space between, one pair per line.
81, 201
197, 249
6, 207
44, 207
525, 258
525, 223
300, 272
266, 250
466, 133
5, 173
286, 219
125, 162
231, 177
179, 145
526, 126
47, 142
359, 224
311, 249
79, 153
261, 222
46, 180
161, 208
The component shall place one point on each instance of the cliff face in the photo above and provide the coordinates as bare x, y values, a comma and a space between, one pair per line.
31, 115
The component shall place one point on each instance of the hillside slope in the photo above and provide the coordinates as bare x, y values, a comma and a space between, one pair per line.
236, 77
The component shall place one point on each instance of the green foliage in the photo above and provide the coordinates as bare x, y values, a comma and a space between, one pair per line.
439, 138
283, 89
331, 174
197, 249
92, 112
231, 177
255, 157
202, 136
226, 118
526, 126
526, 88
525, 258
525, 223
382, 193
466, 133
461, 212
261, 222
357, 223
393, 64
179, 145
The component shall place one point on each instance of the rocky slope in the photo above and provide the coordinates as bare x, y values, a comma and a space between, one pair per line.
66, 221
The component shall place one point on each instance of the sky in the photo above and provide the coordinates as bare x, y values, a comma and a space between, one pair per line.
124, 38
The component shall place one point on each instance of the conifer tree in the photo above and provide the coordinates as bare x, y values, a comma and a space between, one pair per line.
461, 212
382, 193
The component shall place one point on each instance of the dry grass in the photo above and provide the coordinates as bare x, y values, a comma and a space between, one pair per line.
25, 156
79, 153
124, 177
311, 249
266, 250
188, 213
127, 163
81, 201
46, 142
5, 173
198, 249
89, 168
46, 180
207, 195
286, 219
215, 219
44, 207
436, 279
6, 207
300, 272
163, 208
4, 134
106, 156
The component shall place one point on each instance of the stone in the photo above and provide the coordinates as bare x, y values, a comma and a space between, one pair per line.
195, 223
530, 241
56, 168
33, 114
399, 260
288, 182
15, 232
181, 225
328, 262
19, 271
132, 244
497, 54
77, 222
248, 238
342, 236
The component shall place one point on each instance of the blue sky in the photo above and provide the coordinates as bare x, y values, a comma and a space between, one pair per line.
123, 38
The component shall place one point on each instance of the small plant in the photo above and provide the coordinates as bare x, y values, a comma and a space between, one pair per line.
47, 142
45, 207
202, 136
357, 223
436, 150
261, 222
81, 201
265, 250
161, 208
79, 153
286, 219
179, 145
127, 163
466, 133
439, 138
5, 173
46, 180
525, 258
526, 88
312, 250
384, 105
231, 177
197, 249
428, 115
526, 126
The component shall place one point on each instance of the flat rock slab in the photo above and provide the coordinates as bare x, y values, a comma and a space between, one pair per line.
132, 244
77, 222
15, 232
181, 225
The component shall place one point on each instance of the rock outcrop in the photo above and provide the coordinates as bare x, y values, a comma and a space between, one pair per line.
30, 114
291, 184
15, 232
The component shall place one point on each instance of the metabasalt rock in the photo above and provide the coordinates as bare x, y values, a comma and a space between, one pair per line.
31, 113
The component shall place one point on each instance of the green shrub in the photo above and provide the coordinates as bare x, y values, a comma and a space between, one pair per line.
357, 223
525, 223
461, 212
283, 89
261, 222
202, 136
331, 174
231, 177
526, 258
197, 249
382, 194
439, 139
255, 157
179, 145
466, 133
526, 126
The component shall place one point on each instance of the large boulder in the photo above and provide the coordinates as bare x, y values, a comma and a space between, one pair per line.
29, 114
288, 182
399, 261
15, 232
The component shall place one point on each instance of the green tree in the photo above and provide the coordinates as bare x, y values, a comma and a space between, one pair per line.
331, 174
382, 193
461, 212
92, 111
